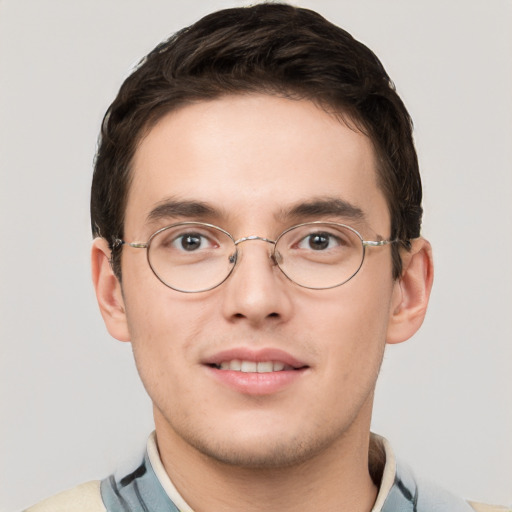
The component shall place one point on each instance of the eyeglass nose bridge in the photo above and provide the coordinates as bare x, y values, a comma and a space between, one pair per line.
255, 237
275, 257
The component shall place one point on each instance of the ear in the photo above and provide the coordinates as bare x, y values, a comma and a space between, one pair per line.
412, 292
108, 291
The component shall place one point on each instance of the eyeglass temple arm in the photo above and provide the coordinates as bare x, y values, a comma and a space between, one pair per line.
371, 243
137, 245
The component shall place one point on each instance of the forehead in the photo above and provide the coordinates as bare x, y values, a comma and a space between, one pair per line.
252, 157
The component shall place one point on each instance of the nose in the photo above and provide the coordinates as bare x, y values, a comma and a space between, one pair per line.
257, 292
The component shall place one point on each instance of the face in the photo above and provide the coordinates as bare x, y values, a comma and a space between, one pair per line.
252, 160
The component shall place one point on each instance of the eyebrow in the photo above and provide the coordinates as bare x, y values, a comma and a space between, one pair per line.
312, 209
324, 207
173, 208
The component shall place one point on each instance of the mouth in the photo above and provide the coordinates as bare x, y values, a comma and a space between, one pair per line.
244, 366
256, 372
249, 360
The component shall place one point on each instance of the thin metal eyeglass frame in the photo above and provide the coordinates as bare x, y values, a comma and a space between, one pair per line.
146, 245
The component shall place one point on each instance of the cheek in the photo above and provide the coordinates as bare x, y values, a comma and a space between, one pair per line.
351, 324
162, 327
163, 336
358, 310
155, 313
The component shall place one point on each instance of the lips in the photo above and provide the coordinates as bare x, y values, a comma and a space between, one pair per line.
254, 361
254, 367
256, 372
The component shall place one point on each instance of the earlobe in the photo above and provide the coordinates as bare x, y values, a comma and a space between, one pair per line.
108, 291
411, 293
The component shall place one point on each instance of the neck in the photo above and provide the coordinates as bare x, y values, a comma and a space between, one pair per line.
335, 479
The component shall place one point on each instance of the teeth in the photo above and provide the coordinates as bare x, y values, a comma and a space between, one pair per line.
253, 367
235, 365
249, 367
266, 367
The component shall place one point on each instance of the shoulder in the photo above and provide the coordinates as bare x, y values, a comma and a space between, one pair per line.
482, 507
409, 492
83, 498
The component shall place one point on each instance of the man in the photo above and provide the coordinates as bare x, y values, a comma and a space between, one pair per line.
256, 207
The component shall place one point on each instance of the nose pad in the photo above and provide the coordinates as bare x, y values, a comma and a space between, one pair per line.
276, 258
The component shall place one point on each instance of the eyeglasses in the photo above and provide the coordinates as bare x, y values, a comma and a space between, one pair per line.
194, 257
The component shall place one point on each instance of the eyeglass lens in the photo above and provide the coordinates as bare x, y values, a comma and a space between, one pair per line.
193, 257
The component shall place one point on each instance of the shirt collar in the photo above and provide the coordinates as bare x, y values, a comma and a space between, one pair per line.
384, 466
163, 477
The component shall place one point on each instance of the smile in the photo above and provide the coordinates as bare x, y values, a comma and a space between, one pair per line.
256, 372
238, 365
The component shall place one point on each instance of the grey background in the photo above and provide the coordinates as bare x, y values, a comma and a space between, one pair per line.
72, 407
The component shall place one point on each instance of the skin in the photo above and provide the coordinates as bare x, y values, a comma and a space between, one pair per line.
304, 446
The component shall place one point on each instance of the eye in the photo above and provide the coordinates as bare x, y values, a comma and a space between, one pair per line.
191, 242
319, 241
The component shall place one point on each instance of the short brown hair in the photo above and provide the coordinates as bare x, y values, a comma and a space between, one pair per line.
267, 48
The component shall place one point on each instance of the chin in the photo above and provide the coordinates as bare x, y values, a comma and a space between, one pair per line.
262, 448
263, 456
